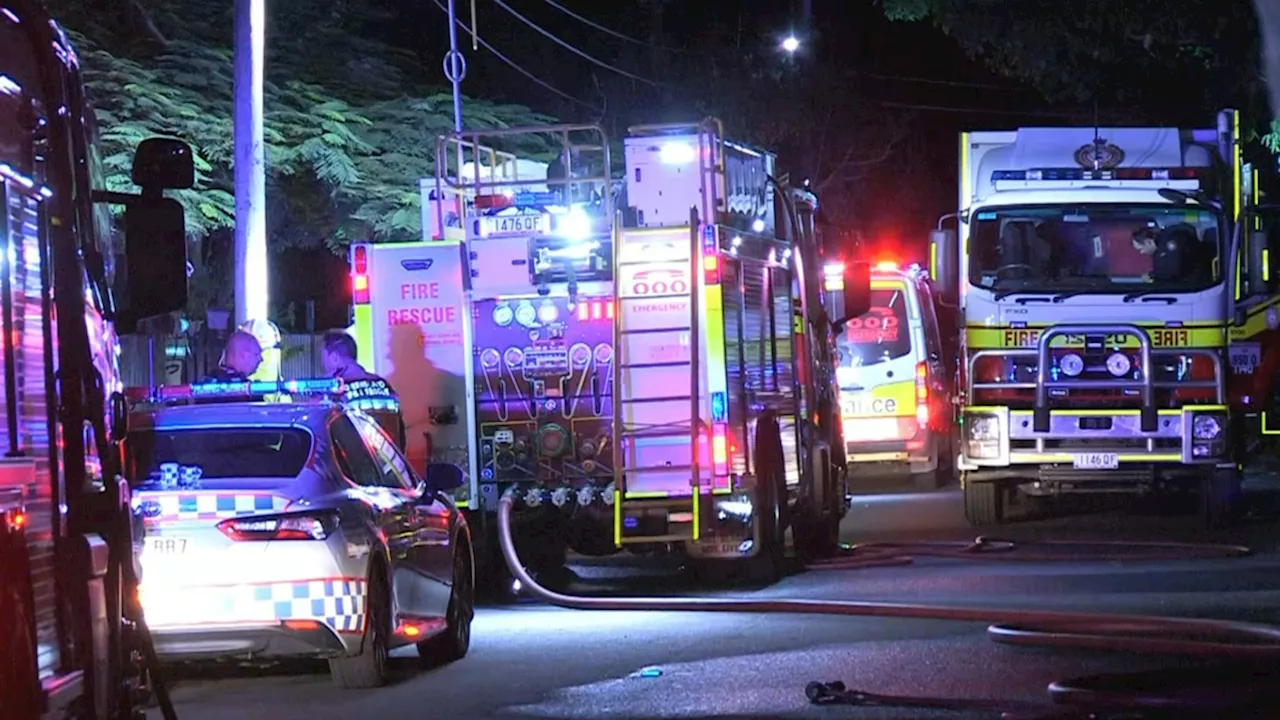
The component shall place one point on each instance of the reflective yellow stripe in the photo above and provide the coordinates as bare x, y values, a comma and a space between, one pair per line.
364, 336
996, 338
897, 399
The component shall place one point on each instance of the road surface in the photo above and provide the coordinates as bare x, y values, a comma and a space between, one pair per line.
531, 660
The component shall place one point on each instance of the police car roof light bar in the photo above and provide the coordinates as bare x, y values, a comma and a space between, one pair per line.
323, 387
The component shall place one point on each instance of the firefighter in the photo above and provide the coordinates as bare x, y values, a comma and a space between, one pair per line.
240, 358
365, 390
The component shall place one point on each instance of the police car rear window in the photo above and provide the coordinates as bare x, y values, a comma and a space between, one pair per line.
879, 335
172, 459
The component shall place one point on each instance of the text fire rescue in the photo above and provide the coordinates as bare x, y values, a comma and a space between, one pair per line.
1160, 337
422, 314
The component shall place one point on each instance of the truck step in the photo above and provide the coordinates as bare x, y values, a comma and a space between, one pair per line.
653, 331
649, 366
666, 432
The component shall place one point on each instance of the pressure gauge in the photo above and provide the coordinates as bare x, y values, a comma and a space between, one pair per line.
502, 315
526, 315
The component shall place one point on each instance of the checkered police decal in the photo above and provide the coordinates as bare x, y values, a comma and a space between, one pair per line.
336, 602
178, 506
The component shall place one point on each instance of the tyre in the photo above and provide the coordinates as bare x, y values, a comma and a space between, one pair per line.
454, 641
1220, 495
983, 503
369, 668
766, 566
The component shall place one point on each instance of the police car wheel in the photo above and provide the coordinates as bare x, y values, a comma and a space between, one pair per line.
368, 669
455, 640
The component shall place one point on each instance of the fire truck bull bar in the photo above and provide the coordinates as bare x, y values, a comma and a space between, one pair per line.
1040, 420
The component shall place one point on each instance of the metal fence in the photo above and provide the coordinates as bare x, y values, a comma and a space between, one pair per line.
175, 360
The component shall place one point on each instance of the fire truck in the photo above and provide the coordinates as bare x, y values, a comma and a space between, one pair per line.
1097, 271
73, 647
647, 364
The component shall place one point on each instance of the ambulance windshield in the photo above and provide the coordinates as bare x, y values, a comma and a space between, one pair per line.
1095, 248
879, 335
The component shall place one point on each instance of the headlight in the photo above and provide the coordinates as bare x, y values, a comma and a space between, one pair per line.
1071, 364
1206, 427
984, 428
1119, 364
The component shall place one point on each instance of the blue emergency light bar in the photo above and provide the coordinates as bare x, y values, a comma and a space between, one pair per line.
320, 387
1181, 173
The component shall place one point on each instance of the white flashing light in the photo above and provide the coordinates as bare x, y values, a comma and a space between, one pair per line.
574, 225
1119, 365
677, 153
1071, 364
757, 225
791, 44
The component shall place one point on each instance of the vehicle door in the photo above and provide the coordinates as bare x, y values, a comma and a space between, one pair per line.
392, 508
940, 370
877, 366
430, 558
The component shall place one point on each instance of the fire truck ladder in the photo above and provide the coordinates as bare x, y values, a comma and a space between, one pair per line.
648, 467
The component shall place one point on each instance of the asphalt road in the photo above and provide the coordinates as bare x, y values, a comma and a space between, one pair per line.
532, 660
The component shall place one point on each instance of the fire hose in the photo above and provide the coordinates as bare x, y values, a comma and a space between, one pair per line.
1188, 637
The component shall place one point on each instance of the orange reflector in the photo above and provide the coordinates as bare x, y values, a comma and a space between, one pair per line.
302, 625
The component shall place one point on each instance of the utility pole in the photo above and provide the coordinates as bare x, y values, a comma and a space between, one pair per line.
250, 165
455, 65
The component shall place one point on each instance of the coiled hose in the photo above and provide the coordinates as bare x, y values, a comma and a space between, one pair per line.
1037, 628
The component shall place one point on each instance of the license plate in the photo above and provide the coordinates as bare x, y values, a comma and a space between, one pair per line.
1096, 461
505, 225
166, 545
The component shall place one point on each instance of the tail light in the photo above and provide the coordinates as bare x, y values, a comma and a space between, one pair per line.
922, 394
711, 269
360, 275
720, 449
298, 526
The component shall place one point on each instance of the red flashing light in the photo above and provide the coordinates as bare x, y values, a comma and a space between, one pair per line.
720, 449
493, 202
360, 259
360, 289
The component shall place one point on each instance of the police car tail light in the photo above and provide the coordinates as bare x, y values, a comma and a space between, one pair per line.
922, 394
295, 526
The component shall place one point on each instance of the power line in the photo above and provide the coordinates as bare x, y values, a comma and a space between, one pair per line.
516, 66
931, 81
613, 33
537, 28
976, 111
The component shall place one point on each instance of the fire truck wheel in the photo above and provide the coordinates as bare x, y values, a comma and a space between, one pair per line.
1220, 496
766, 566
368, 669
983, 502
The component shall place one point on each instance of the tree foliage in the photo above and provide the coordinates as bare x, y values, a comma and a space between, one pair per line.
350, 124
1202, 53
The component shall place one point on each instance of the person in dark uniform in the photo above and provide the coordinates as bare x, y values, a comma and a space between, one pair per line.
363, 389
240, 358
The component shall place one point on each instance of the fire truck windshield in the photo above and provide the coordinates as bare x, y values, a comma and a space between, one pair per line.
1095, 248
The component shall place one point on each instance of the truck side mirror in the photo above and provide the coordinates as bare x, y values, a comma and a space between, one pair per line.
856, 294
944, 260
1257, 271
163, 164
155, 241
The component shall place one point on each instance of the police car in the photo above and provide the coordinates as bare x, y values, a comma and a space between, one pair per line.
280, 522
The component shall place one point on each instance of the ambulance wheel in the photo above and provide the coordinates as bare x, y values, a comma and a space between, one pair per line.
1220, 496
368, 669
983, 502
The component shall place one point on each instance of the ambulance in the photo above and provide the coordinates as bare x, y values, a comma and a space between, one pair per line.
894, 378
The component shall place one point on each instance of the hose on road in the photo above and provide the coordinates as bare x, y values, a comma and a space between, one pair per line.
882, 554
1036, 628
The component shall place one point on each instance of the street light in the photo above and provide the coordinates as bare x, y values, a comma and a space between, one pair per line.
791, 44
